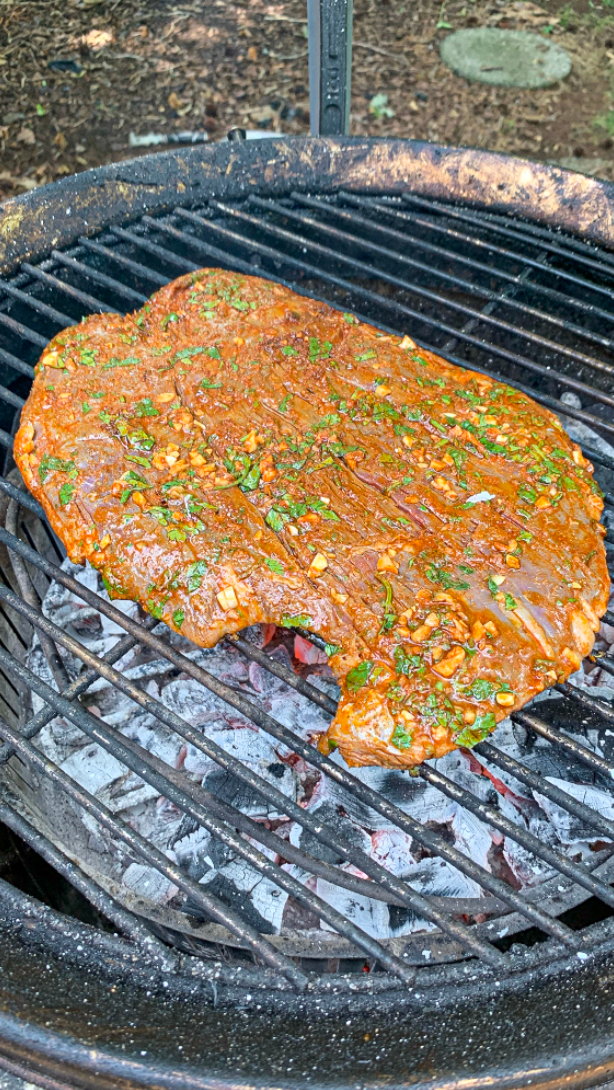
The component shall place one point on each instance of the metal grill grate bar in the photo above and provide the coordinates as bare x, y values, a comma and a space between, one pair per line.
133, 840
278, 800
123, 920
402, 310
514, 281
507, 231
433, 841
358, 242
62, 286
237, 249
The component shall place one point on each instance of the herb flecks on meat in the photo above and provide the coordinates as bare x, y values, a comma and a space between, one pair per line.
234, 453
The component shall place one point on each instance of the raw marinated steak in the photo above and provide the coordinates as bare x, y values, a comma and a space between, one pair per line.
235, 453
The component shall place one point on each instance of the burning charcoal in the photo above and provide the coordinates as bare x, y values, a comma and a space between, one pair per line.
569, 828
334, 820
93, 768
372, 916
148, 883
527, 870
435, 878
237, 885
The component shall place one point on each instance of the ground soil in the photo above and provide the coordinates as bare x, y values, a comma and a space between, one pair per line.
78, 76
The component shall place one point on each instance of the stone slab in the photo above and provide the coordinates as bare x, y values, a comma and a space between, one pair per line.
505, 58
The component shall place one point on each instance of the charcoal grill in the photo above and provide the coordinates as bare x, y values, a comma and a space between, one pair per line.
497, 264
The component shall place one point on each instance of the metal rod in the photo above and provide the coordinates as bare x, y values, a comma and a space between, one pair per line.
545, 788
139, 761
559, 738
78, 296
124, 920
367, 795
55, 316
470, 217
100, 278
457, 282
330, 66
134, 841
176, 723
15, 363
372, 298
167, 256
123, 262
434, 297
513, 279
540, 850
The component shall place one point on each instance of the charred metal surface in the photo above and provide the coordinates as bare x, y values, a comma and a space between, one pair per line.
81, 1013
55, 215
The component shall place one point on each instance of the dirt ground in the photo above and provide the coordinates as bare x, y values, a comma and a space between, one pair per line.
78, 76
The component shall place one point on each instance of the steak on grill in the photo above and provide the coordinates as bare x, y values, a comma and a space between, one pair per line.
234, 453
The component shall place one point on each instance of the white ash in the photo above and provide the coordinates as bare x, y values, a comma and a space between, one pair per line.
228, 876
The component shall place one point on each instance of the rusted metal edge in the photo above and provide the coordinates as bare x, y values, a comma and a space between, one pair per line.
83, 204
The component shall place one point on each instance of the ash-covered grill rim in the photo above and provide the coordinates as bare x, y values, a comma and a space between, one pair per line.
83, 204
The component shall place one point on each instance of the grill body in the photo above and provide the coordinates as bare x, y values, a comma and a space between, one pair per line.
87, 1008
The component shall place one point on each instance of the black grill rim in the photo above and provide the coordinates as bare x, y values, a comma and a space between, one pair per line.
56, 214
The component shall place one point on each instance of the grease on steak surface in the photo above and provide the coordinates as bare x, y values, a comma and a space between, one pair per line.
234, 453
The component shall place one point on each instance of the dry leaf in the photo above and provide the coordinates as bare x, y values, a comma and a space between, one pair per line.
60, 141
252, 53
175, 102
26, 136
23, 182
97, 39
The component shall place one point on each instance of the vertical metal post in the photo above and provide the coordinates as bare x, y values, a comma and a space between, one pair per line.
330, 65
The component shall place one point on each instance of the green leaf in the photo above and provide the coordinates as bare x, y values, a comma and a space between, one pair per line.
177, 534
350, 319
195, 575
41, 111
115, 362
104, 416
289, 351
300, 620
49, 464
369, 355
274, 565
213, 353
168, 318
251, 479
481, 689
87, 357
359, 676
145, 408
178, 616
283, 404
85, 408
492, 586
526, 493
139, 460
510, 602
161, 514
332, 649
66, 493
404, 663
483, 725
274, 520
401, 738
208, 385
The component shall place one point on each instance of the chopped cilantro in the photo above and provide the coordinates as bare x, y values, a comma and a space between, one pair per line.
300, 620
178, 616
401, 738
359, 676
289, 351
50, 464
66, 493
274, 565
483, 725
195, 575
145, 408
